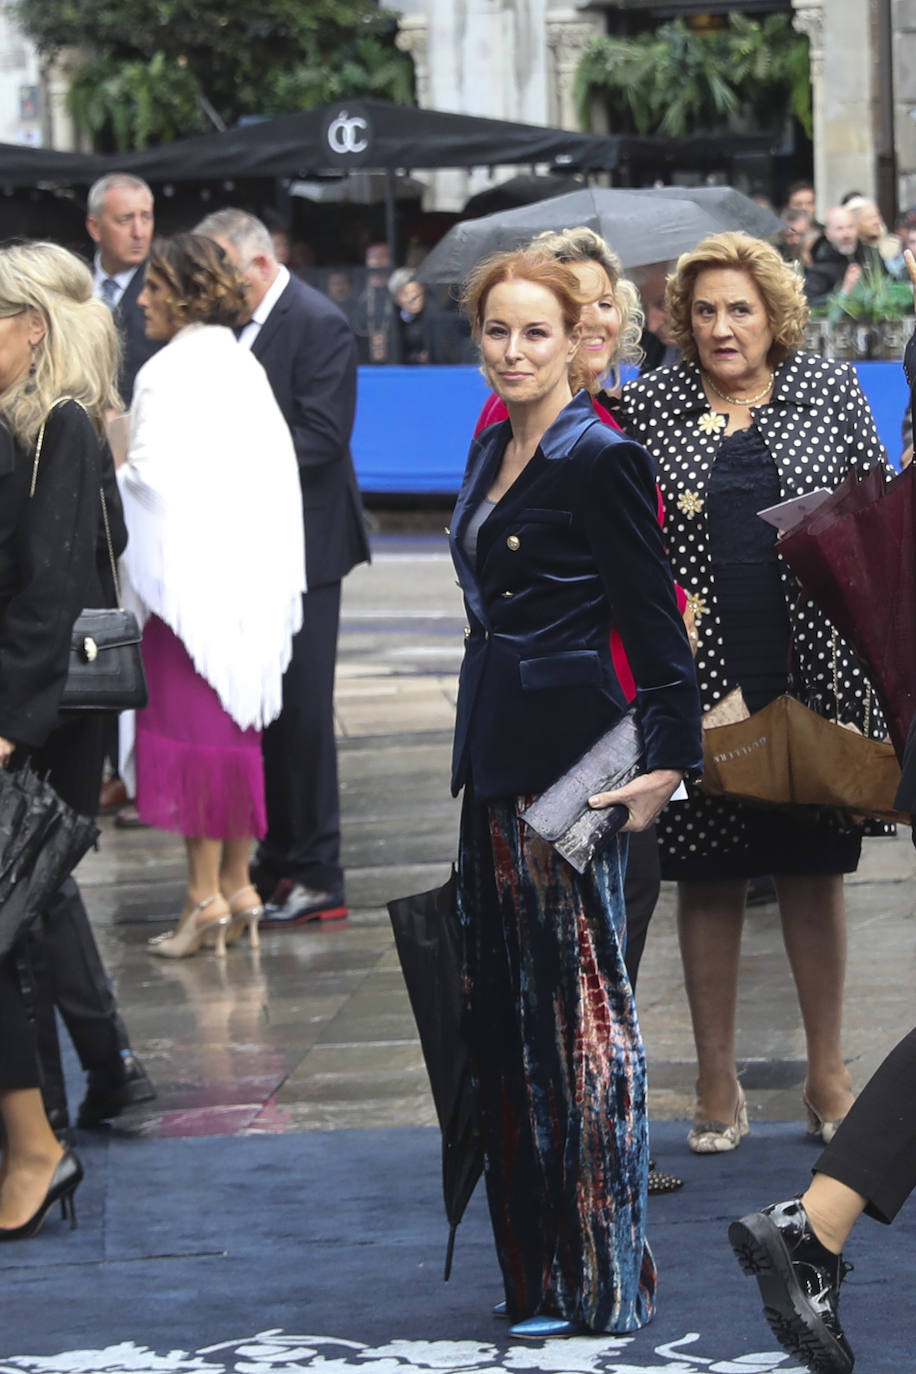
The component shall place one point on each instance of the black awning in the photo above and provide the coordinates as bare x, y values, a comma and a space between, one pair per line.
371, 136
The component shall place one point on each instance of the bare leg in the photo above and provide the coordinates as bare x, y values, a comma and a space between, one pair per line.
813, 916
833, 1209
203, 874
233, 871
31, 1154
710, 919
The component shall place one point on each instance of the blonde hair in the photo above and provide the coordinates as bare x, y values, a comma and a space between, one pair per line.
582, 244
780, 285
80, 352
525, 264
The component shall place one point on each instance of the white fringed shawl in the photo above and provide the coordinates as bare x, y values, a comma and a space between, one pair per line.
214, 514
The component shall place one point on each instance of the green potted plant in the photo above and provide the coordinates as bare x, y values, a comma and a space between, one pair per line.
872, 319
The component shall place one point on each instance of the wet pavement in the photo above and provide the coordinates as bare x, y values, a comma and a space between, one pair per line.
314, 1032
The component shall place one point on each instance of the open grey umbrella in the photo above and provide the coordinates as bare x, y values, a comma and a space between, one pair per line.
521, 190
641, 227
733, 208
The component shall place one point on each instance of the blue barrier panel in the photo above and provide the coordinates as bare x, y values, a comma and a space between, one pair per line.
414, 424
413, 427
888, 395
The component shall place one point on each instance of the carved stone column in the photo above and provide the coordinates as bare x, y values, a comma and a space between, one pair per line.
842, 75
568, 35
60, 130
809, 20
412, 38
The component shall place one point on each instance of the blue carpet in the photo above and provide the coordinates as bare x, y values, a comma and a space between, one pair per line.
323, 1251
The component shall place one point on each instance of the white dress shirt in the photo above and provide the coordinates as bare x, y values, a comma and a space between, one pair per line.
271, 296
122, 281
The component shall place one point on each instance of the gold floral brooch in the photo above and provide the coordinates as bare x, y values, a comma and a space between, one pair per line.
711, 423
690, 503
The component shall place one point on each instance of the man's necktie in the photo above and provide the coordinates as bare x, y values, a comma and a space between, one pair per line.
110, 292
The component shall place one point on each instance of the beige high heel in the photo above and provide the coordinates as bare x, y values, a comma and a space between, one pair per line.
819, 1125
242, 915
191, 933
717, 1137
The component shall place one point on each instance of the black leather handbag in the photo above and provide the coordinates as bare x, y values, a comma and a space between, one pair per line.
105, 670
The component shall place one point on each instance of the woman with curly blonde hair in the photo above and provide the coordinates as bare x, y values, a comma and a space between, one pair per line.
747, 421
216, 568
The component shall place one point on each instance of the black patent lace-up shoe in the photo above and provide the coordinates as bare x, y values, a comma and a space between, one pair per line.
112, 1090
799, 1281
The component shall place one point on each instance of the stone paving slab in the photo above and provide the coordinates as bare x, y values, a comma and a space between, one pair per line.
316, 1032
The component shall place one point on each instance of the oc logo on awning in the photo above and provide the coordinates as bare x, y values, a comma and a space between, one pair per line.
348, 134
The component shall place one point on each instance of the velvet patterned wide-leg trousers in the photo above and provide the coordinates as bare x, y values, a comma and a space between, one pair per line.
560, 1071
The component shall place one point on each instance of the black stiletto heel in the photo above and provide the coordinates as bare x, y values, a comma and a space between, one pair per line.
66, 1179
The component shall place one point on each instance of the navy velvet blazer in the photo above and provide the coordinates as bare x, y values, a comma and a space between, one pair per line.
572, 547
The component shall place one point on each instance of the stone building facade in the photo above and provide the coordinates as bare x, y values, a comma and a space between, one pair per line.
516, 59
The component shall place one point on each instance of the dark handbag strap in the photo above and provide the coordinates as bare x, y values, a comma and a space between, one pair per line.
38, 446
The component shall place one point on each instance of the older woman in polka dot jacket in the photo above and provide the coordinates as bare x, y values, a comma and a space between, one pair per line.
747, 421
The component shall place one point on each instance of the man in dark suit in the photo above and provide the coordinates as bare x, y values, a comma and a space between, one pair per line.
308, 351
119, 219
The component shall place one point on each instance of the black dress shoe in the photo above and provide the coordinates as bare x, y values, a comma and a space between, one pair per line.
799, 1281
66, 1179
112, 1090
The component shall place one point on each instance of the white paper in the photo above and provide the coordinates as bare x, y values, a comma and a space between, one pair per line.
790, 513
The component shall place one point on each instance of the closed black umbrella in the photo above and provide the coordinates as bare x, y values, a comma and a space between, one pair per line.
429, 944
641, 226
42, 840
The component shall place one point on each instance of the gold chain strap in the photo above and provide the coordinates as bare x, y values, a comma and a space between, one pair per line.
38, 446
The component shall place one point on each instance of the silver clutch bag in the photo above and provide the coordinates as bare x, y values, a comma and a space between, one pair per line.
562, 816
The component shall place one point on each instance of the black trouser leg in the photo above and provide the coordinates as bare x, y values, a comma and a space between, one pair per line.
300, 756
640, 893
874, 1151
82, 990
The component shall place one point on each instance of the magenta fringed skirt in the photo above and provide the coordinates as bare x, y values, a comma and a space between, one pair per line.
198, 773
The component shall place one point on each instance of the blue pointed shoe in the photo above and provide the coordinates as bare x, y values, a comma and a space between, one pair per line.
541, 1328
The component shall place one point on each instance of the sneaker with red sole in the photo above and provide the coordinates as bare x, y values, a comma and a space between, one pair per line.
294, 904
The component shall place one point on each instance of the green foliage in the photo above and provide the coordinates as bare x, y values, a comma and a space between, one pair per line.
875, 296
676, 81
268, 58
140, 103
365, 68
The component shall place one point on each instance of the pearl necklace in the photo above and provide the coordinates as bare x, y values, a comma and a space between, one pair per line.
735, 400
